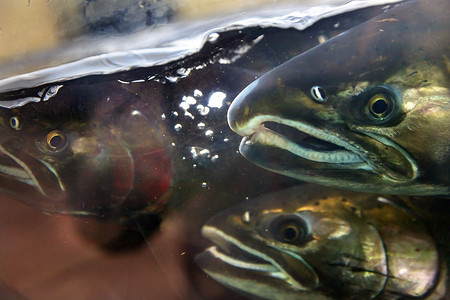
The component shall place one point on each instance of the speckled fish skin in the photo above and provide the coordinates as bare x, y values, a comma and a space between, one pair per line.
308, 242
373, 101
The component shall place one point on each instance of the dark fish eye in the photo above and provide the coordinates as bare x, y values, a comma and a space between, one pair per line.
290, 233
289, 228
318, 93
379, 106
15, 123
56, 140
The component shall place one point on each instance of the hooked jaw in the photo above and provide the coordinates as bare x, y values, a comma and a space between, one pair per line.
259, 117
248, 265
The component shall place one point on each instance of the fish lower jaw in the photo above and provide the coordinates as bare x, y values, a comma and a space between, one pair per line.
10, 169
16, 173
245, 257
338, 155
15, 168
243, 264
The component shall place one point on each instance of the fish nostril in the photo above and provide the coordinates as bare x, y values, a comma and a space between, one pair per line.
318, 94
14, 122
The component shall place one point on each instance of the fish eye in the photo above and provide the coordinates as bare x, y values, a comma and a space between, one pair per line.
318, 93
15, 123
379, 106
289, 228
56, 140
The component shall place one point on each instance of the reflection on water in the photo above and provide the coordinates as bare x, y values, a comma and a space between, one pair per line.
107, 180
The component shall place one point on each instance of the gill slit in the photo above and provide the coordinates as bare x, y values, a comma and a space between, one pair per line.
388, 142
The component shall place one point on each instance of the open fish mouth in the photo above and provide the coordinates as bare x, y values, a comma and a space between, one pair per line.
302, 140
301, 150
31, 171
236, 254
12, 167
242, 260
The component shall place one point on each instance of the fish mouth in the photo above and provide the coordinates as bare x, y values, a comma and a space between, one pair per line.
9, 167
234, 253
305, 151
302, 140
239, 265
20, 167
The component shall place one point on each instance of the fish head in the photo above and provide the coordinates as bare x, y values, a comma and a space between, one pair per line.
312, 242
310, 245
85, 150
366, 110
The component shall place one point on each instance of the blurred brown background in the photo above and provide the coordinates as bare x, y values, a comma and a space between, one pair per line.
28, 26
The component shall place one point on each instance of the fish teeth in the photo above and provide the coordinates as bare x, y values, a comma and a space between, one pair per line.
271, 138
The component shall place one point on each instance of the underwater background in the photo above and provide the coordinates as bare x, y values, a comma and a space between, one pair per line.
116, 150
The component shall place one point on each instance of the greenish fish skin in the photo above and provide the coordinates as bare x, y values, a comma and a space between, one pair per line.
373, 103
317, 243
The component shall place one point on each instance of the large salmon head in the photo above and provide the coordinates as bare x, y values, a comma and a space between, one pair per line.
367, 110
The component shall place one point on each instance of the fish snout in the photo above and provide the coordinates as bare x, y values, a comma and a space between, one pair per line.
242, 110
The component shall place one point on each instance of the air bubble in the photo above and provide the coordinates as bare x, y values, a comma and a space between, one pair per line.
198, 93
216, 99
184, 105
189, 100
203, 110
178, 127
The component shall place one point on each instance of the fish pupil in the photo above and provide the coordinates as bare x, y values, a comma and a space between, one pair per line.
379, 106
289, 228
290, 233
56, 141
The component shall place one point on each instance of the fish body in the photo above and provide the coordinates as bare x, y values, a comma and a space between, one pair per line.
308, 242
112, 146
367, 110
